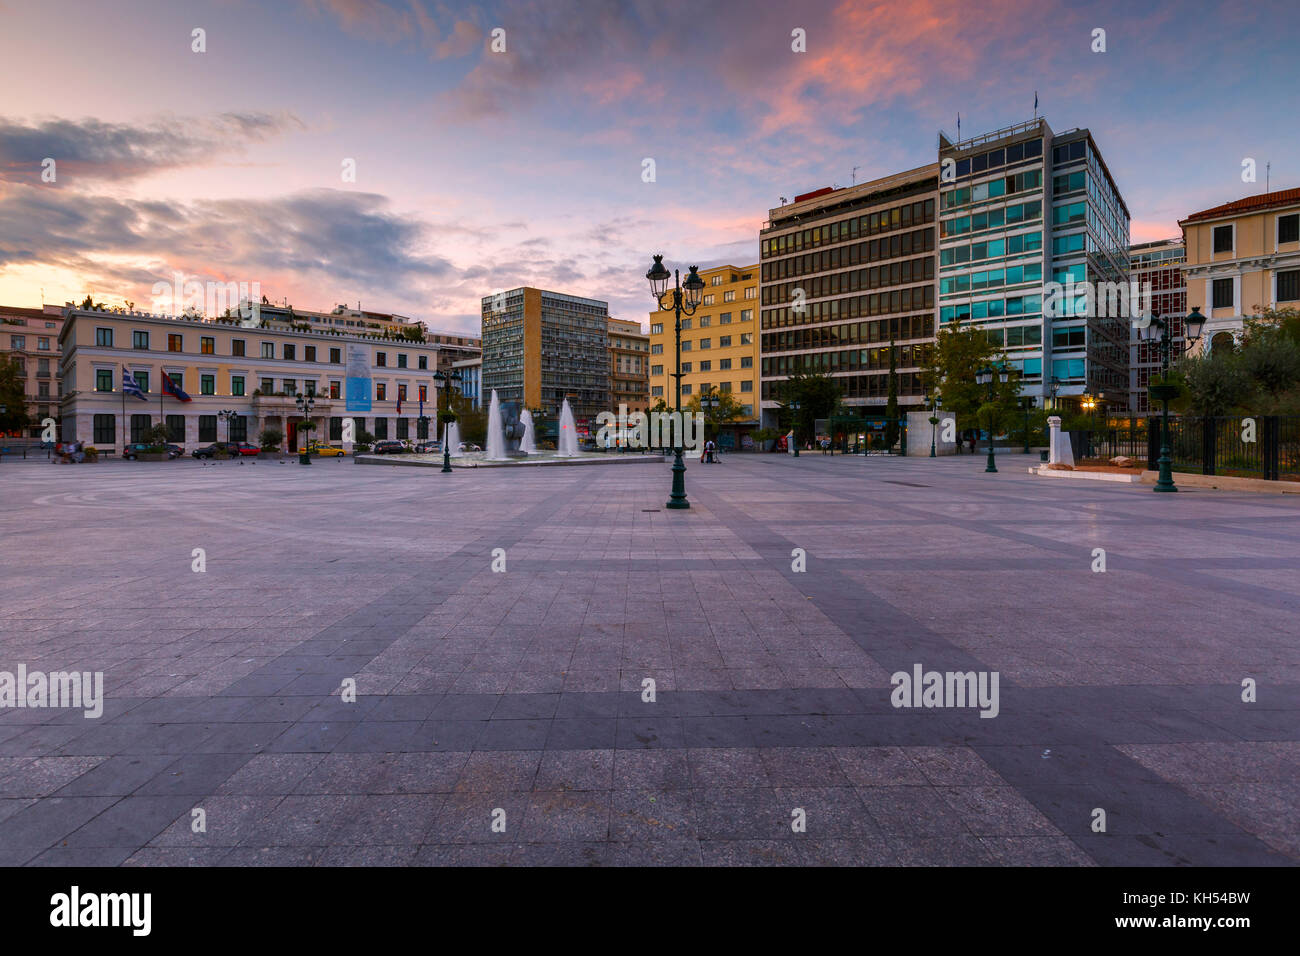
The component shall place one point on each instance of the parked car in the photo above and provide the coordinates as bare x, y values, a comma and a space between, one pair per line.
135, 448
427, 447
325, 451
232, 448
388, 446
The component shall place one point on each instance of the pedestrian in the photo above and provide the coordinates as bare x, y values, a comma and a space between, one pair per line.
972, 441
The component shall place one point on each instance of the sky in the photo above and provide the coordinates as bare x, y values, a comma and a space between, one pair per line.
479, 170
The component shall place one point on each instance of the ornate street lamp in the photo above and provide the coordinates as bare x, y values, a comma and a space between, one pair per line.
794, 407
935, 402
1164, 390
443, 381
226, 414
990, 375
686, 298
305, 404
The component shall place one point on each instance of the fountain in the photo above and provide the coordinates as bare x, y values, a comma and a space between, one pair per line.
527, 444
496, 439
566, 445
451, 436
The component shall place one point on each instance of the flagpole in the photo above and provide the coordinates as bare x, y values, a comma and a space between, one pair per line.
122, 388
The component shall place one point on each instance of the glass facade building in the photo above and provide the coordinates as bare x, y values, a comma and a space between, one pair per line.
541, 347
1033, 248
1159, 267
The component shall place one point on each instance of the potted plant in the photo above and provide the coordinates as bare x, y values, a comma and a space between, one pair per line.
270, 442
156, 438
1164, 389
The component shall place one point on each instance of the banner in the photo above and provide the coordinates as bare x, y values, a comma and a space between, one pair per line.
359, 388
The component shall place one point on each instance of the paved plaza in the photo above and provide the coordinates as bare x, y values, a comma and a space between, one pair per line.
501, 717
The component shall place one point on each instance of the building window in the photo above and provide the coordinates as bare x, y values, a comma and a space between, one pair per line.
140, 340
178, 379
686, 389
208, 428
310, 386
403, 428
656, 349
142, 379
686, 368
381, 359
656, 391
336, 357
1222, 294
291, 386
268, 350
424, 393
207, 385
401, 360
423, 361
705, 321
747, 385
381, 390
656, 369
686, 346
238, 428
747, 315
686, 325
105, 428
290, 351
1288, 285
139, 425
267, 387
381, 427
746, 338
207, 345
18, 341
724, 387
724, 364
336, 428
1288, 228
724, 341
176, 428
103, 338
729, 295
237, 347
656, 328
103, 380
309, 353
706, 366
237, 385
708, 299
751, 292
334, 388
401, 393
1223, 238
747, 361
715, 280
706, 343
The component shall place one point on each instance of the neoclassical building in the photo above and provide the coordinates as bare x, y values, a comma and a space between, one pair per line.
1242, 257
367, 370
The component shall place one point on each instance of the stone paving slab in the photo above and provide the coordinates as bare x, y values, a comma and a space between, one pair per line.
499, 717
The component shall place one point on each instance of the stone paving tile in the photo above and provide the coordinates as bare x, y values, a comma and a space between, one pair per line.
516, 698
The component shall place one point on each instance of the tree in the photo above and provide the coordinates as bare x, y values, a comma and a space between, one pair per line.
891, 404
1215, 385
271, 438
13, 396
817, 396
471, 421
952, 366
728, 409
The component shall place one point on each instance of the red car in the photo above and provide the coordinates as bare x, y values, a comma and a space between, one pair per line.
243, 448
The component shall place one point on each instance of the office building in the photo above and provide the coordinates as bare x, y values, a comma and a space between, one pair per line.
30, 338
845, 273
541, 347
1156, 267
719, 344
629, 366
1033, 248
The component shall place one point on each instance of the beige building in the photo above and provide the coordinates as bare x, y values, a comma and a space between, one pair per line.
30, 337
254, 367
719, 342
1242, 257
629, 366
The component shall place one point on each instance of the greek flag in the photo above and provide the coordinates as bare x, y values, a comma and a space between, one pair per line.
130, 387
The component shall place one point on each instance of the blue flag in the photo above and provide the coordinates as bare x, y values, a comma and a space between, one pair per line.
130, 387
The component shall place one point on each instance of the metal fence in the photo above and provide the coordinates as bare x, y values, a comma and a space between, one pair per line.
1263, 446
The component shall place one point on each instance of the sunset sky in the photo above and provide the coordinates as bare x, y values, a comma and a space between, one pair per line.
479, 171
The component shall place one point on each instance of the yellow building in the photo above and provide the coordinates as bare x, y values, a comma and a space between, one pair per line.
719, 343
253, 367
1242, 257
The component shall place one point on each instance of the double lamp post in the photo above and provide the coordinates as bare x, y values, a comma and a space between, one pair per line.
686, 298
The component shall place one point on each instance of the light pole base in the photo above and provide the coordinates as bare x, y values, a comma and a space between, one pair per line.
677, 498
304, 459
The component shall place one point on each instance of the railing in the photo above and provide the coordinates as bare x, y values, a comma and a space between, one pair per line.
1261, 446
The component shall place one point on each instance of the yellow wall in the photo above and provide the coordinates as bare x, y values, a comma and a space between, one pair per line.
1255, 239
714, 331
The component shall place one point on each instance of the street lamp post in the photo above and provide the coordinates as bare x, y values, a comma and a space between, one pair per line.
226, 414
708, 402
686, 298
934, 419
1164, 391
305, 404
444, 381
1026, 403
988, 376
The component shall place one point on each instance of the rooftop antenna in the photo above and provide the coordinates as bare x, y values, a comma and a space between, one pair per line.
1268, 169
784, 200
855, 174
